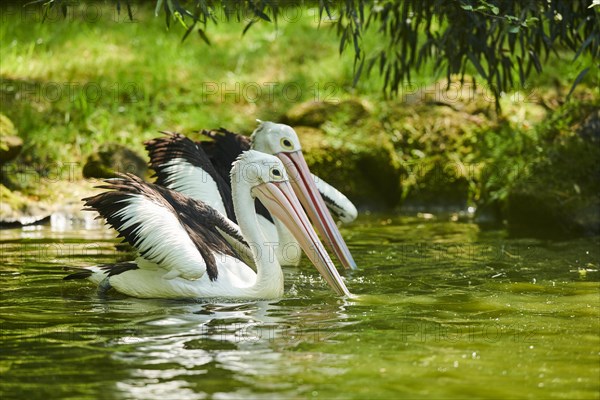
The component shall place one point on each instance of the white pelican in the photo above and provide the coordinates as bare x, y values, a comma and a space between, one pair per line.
186, 247
180, 164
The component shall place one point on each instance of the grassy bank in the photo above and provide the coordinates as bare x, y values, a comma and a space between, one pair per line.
71, 84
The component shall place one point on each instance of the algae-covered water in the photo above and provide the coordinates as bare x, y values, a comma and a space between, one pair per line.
444, 310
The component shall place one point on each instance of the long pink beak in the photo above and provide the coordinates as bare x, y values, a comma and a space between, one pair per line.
280, 200
313, 203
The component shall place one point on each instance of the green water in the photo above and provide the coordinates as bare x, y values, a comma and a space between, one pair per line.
443, 310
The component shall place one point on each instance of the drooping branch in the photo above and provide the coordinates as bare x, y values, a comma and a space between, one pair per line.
499, 40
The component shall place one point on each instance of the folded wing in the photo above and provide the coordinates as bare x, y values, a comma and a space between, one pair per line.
182, 165
337, 203
177, 233
226, 146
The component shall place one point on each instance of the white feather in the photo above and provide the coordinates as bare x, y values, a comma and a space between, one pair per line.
235, 280
194, 182
198, 184
163, 238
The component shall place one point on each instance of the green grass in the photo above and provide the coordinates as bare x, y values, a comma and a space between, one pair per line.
69, 85
79, 84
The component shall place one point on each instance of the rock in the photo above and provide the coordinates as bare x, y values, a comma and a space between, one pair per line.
114, 158
414, 157
55, 202
7, 128
437, 185
364, 167
560, 197
18, 210
316, 113
489, 215
436, 142
10, 143
10, 147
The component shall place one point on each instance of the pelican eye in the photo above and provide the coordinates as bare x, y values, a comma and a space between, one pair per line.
287, 144
275, 173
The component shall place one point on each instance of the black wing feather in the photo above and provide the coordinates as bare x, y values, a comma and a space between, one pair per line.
198, 219
223, 149
112, 269
174, 145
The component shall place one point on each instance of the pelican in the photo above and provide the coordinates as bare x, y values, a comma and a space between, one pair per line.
271, 138
185, 245
177, 162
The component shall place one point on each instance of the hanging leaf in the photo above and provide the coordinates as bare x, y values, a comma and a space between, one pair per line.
159, 4
259, 12
247, 27
187, 32
343, 41
129, 10
203, 36
521, 71
514, 29
536, 61
578, 80
358, 72
583, 46
182, 11
477, 64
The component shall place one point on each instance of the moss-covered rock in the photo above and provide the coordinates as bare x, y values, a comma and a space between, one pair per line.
10, 147
7, 128
17, 209
560, 196
417, 156
365, 168
316, 113
112, 158
436, 184
10, 143
54, 201
436, 143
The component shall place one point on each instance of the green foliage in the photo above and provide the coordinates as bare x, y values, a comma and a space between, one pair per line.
6, 129
516, 158
559, 193
496, 39
71, 85
149, 81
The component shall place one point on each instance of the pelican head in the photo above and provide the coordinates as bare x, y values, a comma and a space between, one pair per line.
256, 168
282, 141
267, 180
272, 138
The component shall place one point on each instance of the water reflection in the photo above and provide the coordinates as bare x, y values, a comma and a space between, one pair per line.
177, 353
443, 311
